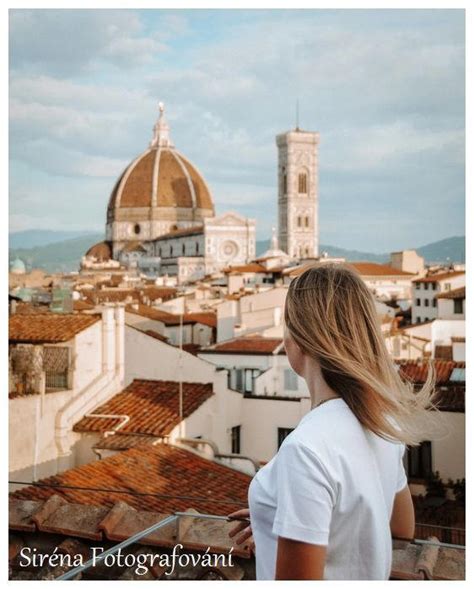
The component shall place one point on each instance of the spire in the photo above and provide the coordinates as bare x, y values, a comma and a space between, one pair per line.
161, 130
274, 240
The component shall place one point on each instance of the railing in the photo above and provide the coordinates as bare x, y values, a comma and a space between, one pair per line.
135, 538
174, 518
445, 534
56, 380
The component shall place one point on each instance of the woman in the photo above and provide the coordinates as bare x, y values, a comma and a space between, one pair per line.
329, 502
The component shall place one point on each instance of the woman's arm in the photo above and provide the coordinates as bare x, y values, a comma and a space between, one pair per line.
402, 522
299, 560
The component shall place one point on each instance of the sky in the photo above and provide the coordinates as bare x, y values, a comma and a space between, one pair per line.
384, 89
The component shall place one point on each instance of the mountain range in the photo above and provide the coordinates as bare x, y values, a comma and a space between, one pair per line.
61, 251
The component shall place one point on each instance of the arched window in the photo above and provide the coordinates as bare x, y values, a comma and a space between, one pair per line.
302, 183
298, 221
284, 181
306, 221
136, 228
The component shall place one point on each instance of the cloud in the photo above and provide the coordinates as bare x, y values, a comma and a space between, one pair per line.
68, 42
385, 89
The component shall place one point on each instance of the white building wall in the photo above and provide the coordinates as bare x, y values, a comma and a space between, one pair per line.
425, 303
41, 440
259, 437
446, 309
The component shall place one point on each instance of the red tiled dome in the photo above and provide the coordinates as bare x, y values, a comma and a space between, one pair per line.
161, 177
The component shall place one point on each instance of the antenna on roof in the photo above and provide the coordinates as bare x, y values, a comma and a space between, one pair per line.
297, 114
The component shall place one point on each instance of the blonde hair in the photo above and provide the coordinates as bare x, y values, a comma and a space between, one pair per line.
331, 315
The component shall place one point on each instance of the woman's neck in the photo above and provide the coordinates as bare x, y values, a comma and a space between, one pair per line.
318, 388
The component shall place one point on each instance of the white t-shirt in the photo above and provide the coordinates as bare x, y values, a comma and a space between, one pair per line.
332, 483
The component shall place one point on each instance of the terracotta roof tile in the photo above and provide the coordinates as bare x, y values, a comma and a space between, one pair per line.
119, 442
157, 314
368, 269
102, 251
373, 269
135, 294
441, 276
246, 345
152, 405
415, 562
182, 476
206, 318
258, 268
48, 327
82, 306
456, 293
417, 371
119, 522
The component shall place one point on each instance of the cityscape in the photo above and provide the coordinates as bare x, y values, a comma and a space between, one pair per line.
149, 384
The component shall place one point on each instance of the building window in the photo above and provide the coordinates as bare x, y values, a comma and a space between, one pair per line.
418, 319
418, 303
306, 221
235, 438
302, 184
171, 250
136, 228
419, 461
282, 433
56, 367
284, 182
298, 221
458, 306
184, 248
434, 302
197, 247
427, 302
242, 379
290, 379
447, 286
426, 285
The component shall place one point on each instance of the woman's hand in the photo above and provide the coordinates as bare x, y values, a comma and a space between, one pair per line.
243, 529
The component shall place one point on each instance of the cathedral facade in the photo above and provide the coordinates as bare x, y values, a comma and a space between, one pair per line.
161, 218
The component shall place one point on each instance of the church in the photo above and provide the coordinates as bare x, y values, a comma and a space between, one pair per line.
161, 217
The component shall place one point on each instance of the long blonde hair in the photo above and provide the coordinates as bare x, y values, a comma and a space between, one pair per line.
331, 315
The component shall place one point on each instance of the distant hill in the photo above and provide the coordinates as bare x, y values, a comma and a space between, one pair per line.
453, 248
39, 237
65, 255
62, 256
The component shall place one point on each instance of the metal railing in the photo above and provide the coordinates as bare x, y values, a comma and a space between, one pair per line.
174, 518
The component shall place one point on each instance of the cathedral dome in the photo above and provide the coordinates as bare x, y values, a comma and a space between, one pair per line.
161, 178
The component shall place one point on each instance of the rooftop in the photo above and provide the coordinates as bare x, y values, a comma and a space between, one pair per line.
417, 370
366, 269
441, 276
252, 268
456, 293
162, 478
48, 327
250, 344
151, 405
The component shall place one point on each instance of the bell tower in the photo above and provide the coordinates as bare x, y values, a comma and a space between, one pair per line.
298, 193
